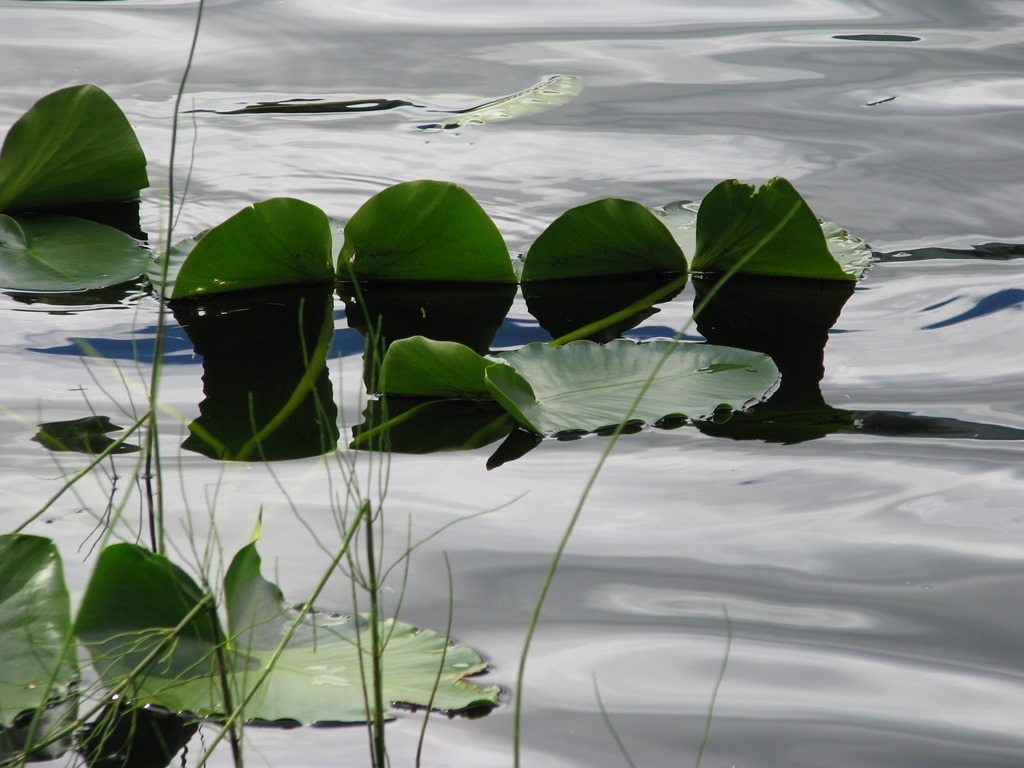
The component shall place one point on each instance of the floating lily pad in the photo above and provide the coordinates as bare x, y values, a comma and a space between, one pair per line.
583, 386
135, 596
424, 230
735, 219
281, 241
549, 94
422, 367
603, 238
46, 252
36, 664
586, 386
73, 146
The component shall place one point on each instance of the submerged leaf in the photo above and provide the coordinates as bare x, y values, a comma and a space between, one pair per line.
85, 435
73, 146
603, 238
851, 253
549, 94
424, 230
735, 219
46, 252
281, 241
36, 662
586, 386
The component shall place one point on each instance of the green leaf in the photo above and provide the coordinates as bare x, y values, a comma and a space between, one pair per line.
317, 678
36, 662
133, 601
73, 146
45, 252
735, 218
424, 230
135, 597
548, 94
281, 241
587, 386
423, 367
604, 238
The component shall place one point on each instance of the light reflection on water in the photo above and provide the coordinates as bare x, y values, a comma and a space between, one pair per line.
872, 581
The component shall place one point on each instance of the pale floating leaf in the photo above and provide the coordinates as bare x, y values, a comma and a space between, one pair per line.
587, 386
546, 95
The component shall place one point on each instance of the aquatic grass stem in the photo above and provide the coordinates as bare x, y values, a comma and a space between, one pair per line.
440, 666
153, 472
592, 480
235, 717
706, 736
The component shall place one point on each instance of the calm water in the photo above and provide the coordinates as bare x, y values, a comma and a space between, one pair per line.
873, 578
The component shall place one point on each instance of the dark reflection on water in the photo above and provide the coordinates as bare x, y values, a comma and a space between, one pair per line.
268, 391
1011, 298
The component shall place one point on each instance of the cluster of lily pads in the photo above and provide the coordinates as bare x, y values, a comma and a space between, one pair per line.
427, 232
68, 170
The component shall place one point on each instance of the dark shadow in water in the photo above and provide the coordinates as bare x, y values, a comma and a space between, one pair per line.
268, 393
315, 106
70, 302
987, 251
874, 37
1009, 298
121, 216
417, 425
133, 737
465, 313
789, 320
383, 312
563, 306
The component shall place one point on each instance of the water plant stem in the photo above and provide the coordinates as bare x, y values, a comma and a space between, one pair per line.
86, 470
153, 473
377, 746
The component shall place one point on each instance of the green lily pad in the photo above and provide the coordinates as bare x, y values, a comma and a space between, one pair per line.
604, 238
36, 663
424, 230
318, 675
135, 596
46, 252
281, 241
734, 219
422, 367
73, 146
587, 386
